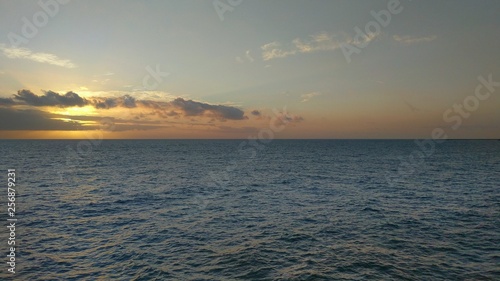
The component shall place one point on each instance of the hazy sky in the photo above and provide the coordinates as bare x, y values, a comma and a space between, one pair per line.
234, 68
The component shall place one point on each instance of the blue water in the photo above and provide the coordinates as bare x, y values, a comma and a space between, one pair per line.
296, 210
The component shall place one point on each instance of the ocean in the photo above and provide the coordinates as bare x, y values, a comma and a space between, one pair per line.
234, 210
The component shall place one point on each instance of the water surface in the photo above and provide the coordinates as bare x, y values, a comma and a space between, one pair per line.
298, 210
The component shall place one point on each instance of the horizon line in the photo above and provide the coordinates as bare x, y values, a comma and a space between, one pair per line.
222, 139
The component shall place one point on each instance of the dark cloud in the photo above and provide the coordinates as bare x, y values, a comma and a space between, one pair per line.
33, 119
175, 108
107, 103
14, 119
104, 104
50, 98
129, 101
256, 112
194, 108
168, 109
7, 101
190, 108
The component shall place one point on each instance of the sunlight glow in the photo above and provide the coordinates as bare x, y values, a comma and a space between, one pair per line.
75, 111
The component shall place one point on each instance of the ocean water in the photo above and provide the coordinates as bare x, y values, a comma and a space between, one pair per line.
219, 210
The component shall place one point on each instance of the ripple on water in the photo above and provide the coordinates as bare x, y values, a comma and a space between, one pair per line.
303, 210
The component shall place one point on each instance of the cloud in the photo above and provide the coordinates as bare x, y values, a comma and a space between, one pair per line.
411, 40
256, 112
283, 118
6, 101
25, 53
307, 97
248, 56
274, 50
50, 99
162, 108
194, 108
165, 109
107, 103
317, 42
20, 118
33, 119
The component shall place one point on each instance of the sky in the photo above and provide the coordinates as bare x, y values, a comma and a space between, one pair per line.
235, 69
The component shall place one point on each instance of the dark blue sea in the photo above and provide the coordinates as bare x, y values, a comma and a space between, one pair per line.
231, 210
